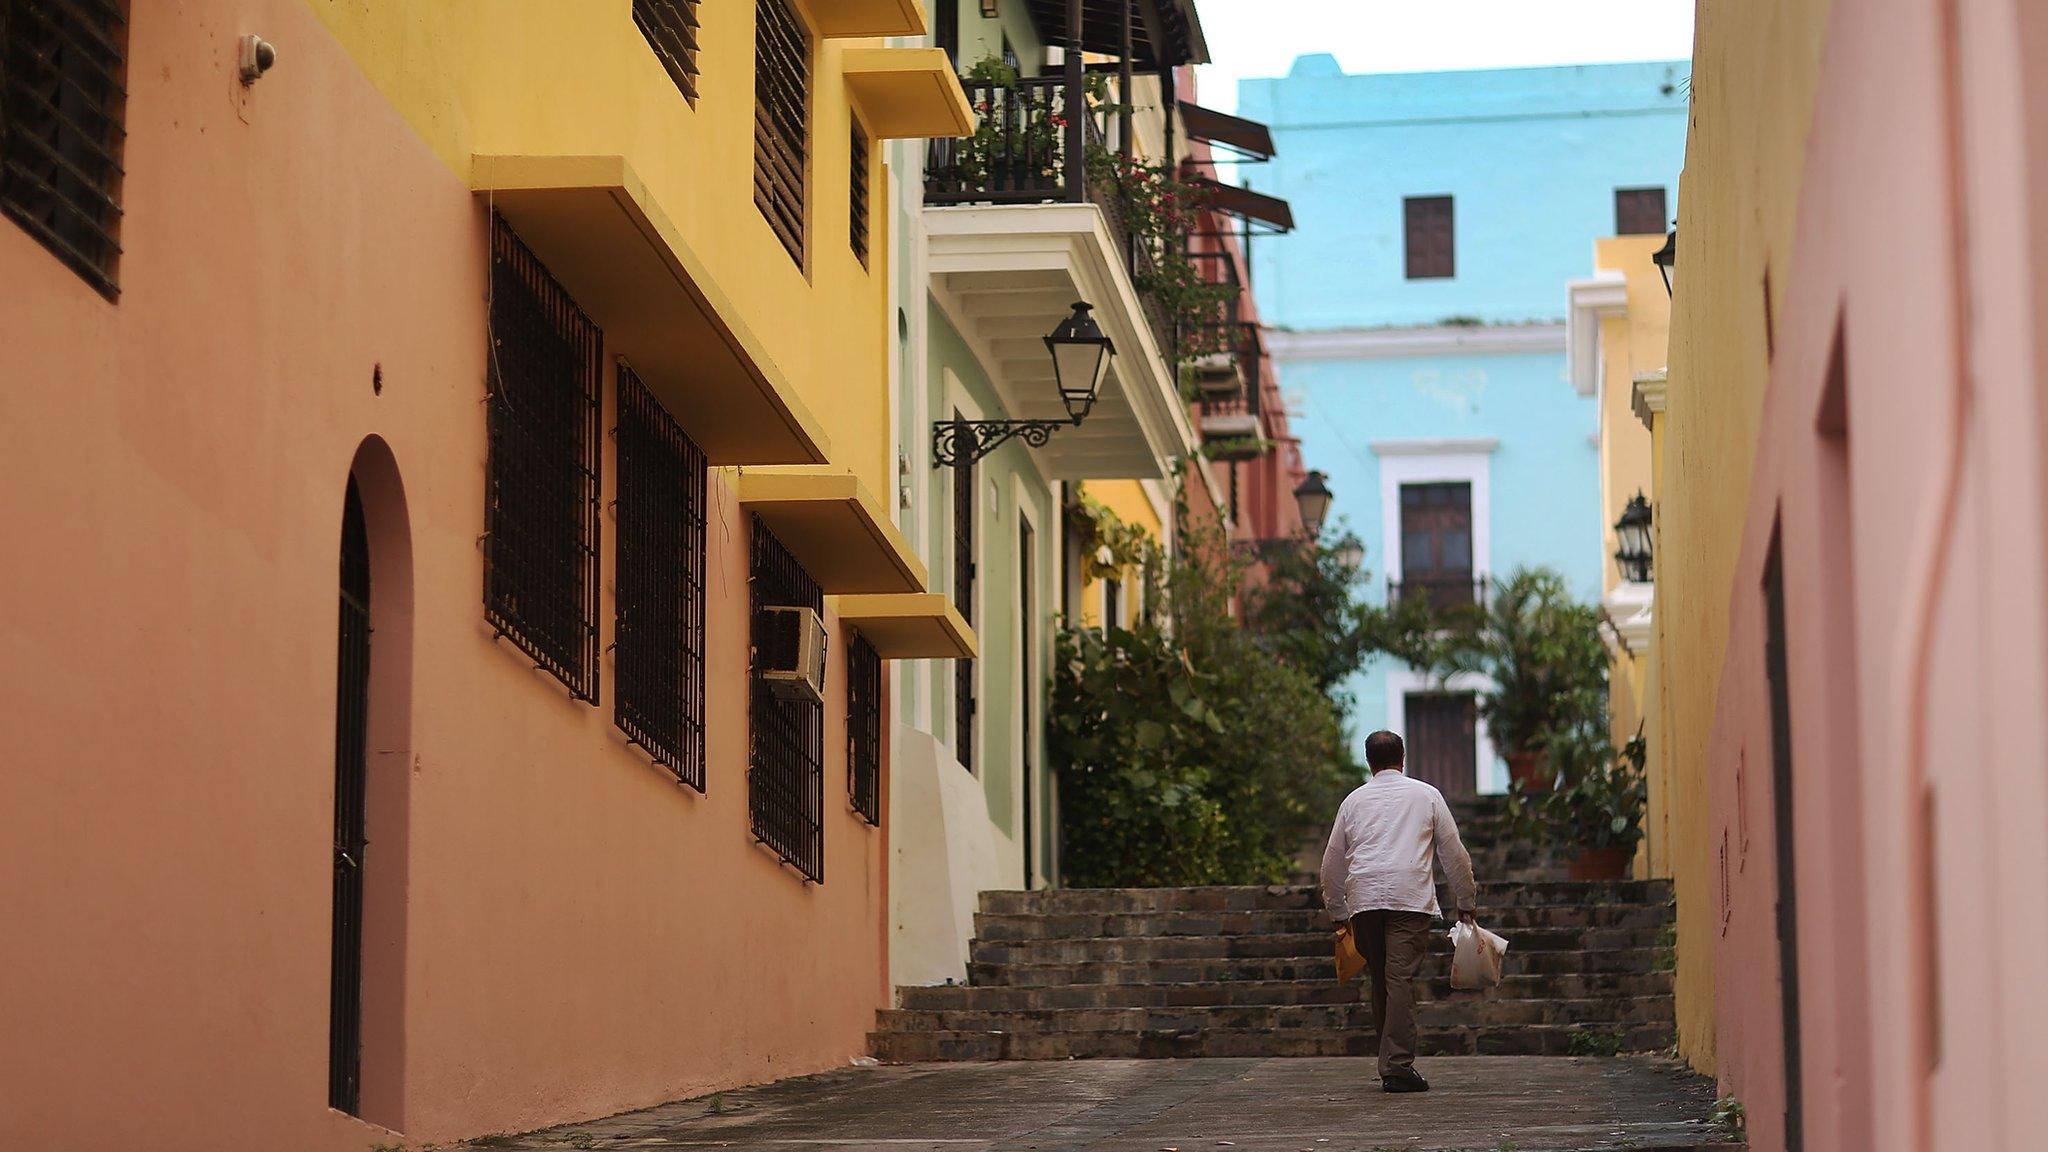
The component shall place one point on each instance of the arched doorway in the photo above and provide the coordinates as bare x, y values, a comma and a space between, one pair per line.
351, 803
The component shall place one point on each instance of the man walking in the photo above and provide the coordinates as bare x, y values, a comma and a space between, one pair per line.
1393, 836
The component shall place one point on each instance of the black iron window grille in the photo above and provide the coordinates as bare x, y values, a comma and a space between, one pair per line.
786, 767
858, 225
63, 102
671, 30
864, 729
541, 485
963, 599
658, 701
1431, 239
782, 110
351, 767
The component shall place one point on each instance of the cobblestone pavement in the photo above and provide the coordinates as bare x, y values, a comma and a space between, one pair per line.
1483, 1103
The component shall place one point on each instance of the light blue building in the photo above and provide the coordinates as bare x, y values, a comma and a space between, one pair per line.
1420, 317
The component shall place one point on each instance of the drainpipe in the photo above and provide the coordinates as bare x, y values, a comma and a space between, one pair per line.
1077, 110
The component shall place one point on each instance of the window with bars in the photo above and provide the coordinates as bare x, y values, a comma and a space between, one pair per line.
963, 599
63, 102
671, 30
864, 729
1431, 240
659, 699
1639, 211
786, 767
858, 225
782, 113
540, 503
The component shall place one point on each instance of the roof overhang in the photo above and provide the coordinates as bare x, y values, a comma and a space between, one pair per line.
1163, 32
1248, 138
601, 234
910, 626
1243, 203
1592, 299
907, 93
1006, 275
835, 19
833, 526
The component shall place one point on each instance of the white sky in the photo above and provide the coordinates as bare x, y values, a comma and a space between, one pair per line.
1256, 38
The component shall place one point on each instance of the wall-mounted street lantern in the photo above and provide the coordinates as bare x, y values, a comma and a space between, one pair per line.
1080, 362
1633, 532
1350, 553
1312, 496
1666, 260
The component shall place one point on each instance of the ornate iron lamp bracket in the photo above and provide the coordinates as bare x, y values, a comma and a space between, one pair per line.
960, 443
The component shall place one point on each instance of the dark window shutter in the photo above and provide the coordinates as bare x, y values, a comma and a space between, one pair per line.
1639, 212
1431, 239
782, 111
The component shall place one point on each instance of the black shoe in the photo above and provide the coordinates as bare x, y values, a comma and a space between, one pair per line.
1406, 1080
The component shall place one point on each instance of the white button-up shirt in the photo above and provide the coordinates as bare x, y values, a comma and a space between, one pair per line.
1394, 836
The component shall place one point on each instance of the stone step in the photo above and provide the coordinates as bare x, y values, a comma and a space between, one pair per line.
1298, 944
1492, 894
1475, 1012
1538, 1040
1219, 969
1507, 921
1315, 988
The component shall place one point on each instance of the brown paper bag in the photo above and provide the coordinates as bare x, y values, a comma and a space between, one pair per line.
1349, 962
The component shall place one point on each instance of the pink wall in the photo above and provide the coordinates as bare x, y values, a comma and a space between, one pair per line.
1912, 506
557, 930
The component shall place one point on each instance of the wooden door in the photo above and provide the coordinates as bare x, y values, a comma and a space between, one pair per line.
1443, 746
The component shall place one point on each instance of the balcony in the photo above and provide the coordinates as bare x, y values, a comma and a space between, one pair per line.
1445, 590
1017, 233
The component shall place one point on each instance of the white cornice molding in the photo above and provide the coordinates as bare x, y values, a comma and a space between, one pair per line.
1630, 609
1426, 340
1472, 446
1648, 396
1592, 300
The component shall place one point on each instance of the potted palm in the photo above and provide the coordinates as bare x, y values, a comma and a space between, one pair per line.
1596, 808
1541, 651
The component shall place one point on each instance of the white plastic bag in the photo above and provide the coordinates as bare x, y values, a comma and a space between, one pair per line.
1476, 956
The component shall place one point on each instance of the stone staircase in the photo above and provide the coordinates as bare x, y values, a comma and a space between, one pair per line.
1176, 972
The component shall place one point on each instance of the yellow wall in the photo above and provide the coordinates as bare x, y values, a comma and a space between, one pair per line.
1133, 505
543, 77
1755, 65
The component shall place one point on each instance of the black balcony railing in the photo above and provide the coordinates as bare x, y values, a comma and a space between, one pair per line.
1446, 590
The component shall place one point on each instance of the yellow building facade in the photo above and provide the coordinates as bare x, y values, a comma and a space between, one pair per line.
1755, 68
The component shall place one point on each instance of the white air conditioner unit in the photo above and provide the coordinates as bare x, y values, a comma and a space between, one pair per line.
791, 657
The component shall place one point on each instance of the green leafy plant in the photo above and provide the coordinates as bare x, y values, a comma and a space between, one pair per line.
1187, 752
1728, 1114
1599, 798
1543, 653
1596, 1042
1307, 611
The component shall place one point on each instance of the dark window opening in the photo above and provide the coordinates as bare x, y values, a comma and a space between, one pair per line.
1431, 240
1639, 212
946, 28
1778, 677
541, 485
671, 30
786, 765
782, 101
1112, 602
1436, 543
858, 198
351, 793
63, 103
1443, 740
659, 649
864, 729
963, 599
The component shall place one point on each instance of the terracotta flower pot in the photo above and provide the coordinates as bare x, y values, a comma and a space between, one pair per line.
1601, 864
1528, 770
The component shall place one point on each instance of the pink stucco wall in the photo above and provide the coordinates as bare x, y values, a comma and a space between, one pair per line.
1911, 522
557, 929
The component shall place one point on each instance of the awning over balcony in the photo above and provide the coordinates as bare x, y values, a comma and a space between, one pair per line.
1245, 204
907, 92
1248, 138
833, 526
910, 626
1164, 33
842, 18
1005, 276
593, 224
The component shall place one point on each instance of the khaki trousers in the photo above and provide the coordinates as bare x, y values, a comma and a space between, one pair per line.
1393, 944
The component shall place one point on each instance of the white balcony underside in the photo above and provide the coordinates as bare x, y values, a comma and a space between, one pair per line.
1006, 275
